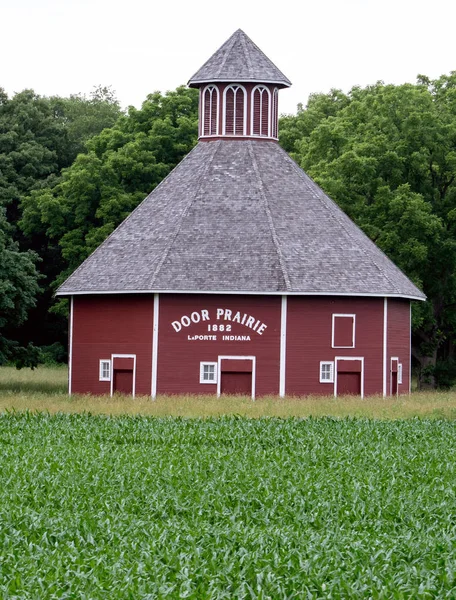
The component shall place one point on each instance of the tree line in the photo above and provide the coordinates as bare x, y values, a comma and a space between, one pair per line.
71, 169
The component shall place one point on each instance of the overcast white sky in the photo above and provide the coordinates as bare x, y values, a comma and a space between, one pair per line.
59, 47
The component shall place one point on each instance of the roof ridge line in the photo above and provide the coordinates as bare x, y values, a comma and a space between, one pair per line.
323, 198
226, 54
246, 54
184, 213
269, 217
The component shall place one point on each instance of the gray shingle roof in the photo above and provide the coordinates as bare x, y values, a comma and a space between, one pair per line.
239, 59
239, 216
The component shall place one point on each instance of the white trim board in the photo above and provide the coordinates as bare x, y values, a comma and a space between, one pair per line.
283, 346
385, 346
219, 371
238, 293
195, 82
155, 346
70, 357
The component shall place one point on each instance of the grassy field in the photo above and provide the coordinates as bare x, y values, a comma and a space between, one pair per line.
45, 389
103, 507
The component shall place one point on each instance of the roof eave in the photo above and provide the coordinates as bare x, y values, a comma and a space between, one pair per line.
242, 292
199, 82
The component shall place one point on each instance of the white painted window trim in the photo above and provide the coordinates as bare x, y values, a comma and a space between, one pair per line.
336, 359
244, 124
252, 113
219, 371
346, 315
104, 361
331, 371
205, 363
275, 114
203, 103
399, 373
133, 356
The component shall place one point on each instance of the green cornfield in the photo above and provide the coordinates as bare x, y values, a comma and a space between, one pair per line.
230, 507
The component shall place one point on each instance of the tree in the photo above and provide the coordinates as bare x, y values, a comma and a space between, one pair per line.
121, 165
387, 155
39, 137
18, 289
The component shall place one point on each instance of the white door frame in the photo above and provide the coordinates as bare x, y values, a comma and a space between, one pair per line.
360, 358
133, 356
391, 375
219, 371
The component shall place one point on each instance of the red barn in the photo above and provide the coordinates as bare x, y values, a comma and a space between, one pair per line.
237, 274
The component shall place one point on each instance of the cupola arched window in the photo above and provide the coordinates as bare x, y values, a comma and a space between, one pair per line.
210, 110
275, 113
235, 109
260, 111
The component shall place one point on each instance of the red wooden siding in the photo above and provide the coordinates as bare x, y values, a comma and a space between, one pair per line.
399, 341
309, 332
180, 352
203, 328
105, 325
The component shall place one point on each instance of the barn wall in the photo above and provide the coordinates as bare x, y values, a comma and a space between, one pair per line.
105, 325
309, 341
399, 340
180, 352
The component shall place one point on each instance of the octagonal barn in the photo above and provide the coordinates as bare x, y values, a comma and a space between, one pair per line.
237, 274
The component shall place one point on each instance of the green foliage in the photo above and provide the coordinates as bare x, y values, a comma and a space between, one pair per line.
54, 354
38, 138
226, 508
122, 165
387, 155
18, 289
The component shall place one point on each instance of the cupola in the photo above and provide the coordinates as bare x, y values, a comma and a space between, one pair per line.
239, 88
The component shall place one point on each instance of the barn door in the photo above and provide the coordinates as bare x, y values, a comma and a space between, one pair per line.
123, 374
123, 381
235, 382
394, 368
348, 384
237, 375
349, 379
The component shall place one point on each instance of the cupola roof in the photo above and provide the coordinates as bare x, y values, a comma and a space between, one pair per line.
239, 60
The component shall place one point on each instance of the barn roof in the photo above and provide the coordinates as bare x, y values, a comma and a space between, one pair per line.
239, 216
239, 60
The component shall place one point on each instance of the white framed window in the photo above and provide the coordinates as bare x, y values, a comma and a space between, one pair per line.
343, 330
326, 372
399, 373
234, 110
210, 106
105, 370
261, 111
208, 372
